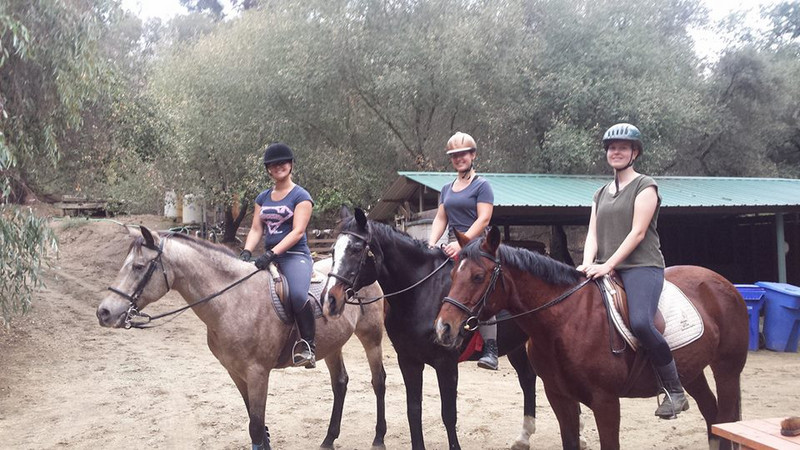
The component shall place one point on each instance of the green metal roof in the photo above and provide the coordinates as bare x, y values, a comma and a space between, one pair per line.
540, 190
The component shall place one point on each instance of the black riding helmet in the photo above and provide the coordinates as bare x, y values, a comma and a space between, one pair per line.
277, 152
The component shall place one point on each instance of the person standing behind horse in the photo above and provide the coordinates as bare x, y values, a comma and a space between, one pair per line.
281, 215
466, 204
622, 236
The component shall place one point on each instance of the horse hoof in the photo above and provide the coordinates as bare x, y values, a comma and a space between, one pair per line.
378, 447
520, 445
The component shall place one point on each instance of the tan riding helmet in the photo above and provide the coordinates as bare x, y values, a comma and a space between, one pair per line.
460, 142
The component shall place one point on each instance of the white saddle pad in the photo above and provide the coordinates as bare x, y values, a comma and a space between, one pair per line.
683, 323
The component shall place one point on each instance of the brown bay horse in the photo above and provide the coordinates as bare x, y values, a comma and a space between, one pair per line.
245, 332
570, 335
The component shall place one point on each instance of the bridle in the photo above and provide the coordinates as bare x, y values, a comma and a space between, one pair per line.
366, 253
350, 293
133, 309
472, 322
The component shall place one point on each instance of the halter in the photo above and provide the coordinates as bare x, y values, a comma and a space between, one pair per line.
133, 310
472, 323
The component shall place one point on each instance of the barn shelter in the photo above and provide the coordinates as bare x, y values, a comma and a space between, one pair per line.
747, 229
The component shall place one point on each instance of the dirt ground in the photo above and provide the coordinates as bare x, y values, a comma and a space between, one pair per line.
66, 382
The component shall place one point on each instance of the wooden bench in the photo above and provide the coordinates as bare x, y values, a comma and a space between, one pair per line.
757, 434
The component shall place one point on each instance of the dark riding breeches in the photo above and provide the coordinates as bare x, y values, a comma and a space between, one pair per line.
643, 287
297, 267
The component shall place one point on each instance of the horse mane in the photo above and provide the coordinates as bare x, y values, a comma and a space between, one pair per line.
386, 232
544, 267
139, 242
200, 242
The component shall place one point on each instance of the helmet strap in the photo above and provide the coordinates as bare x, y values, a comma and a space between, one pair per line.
467, 174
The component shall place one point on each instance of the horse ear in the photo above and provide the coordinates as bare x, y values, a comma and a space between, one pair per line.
462, 239
149, 241
493, 240
361, 218
344, 213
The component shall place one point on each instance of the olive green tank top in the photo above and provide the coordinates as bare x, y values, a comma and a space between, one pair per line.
615, 220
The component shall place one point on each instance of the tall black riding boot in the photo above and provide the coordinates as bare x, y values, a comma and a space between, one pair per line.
675, 399
489, 358
303, 351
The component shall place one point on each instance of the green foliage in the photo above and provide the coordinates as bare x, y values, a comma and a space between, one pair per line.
25, 241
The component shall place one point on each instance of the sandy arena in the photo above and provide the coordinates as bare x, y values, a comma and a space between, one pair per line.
67, 383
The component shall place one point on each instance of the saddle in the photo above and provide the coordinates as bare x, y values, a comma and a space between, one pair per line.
676, 319
279, 288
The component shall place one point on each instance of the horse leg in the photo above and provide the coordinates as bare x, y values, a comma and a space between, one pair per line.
567, 413
607, 416
706, 402
371, 340
412, 378
729, 398
339, 381
527, 381
447, 376
257, 385
241, 385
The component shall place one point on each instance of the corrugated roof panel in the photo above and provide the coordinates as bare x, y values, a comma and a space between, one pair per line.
512, 189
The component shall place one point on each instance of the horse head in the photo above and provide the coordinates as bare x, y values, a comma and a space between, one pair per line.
473, 282
142, 280
356, 259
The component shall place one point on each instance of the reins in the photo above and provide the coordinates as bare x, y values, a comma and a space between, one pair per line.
368, 300
350, 293
133, 310
553, 302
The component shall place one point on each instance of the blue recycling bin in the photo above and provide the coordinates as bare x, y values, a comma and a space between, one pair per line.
781, 316
754, 297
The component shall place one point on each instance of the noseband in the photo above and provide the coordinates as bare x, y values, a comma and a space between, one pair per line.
367, 253
472, 322
133, 309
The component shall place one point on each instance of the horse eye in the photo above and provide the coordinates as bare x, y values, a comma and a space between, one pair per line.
478, 278
138, 266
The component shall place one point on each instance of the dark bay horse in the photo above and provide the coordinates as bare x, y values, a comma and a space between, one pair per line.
366, 251
245, 333
570, 338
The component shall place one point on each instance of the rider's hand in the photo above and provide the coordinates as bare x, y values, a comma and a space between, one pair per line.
594, 271
452, 249
262, 262
245, 255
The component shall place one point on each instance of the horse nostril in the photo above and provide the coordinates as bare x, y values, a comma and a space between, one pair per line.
332, 304
102, 314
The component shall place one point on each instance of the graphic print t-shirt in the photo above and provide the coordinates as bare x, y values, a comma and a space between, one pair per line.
278, 216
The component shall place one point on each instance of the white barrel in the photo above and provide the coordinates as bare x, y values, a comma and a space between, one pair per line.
192, 209
171, 205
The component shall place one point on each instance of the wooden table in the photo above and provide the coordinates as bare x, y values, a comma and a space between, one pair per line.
757, 434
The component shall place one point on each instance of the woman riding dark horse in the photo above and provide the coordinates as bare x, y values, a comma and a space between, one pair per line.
366, 251
466, 205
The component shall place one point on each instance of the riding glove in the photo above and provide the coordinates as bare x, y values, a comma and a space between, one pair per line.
262, 262
245, 255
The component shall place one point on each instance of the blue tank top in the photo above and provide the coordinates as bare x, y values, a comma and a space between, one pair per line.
278, 217
462, 206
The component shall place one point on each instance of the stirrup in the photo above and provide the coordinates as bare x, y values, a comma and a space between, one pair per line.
304, 357
673, 411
